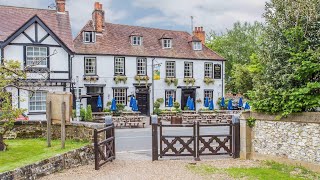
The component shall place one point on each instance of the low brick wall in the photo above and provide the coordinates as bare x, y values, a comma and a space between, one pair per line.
295, 139
38, 129
71, 159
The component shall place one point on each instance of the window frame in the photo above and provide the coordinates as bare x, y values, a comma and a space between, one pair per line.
164, 43
197, 46
125, 95
92, 38
133, 40
208, 91
174, 69
44, 58
205, 70
184, 69
41, 101
166, 101
145, 66
124, 66
85, 65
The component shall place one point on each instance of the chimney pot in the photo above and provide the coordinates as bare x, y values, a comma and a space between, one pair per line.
200, 34
98, 17
61, 6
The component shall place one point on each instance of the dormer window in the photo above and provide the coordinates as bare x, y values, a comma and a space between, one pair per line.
167, 43
197, 46
136, 40
89, 37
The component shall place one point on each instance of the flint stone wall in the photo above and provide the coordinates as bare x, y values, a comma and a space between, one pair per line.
71, 159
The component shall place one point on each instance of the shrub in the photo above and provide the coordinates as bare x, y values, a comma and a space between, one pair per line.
160, 100
156, 105
157, 111
83, 114
88, 116
176, 105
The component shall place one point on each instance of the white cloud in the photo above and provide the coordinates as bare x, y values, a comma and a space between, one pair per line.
212, 14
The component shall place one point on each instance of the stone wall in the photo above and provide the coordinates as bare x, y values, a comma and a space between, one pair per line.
71, 159
38, 129
295, 139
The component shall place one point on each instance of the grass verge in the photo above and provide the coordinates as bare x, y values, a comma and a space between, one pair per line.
267, 171
22, 152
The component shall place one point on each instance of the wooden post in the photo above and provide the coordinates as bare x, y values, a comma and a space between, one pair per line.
96, 152
63, 124
154, 122
196, 127
49, 123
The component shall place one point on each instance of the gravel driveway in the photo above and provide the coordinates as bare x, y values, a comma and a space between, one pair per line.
129, 166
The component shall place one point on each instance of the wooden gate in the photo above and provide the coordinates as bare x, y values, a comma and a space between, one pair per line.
197, 144
104, 146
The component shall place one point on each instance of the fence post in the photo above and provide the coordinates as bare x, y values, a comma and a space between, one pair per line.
96, 153
154, 122
63, 125
196, 134
109, 133
235, 136
49, 122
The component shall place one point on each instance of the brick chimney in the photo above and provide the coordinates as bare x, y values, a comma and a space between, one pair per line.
200, 34
61, 6
98, 17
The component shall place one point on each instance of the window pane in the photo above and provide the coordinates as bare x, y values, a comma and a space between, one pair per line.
169, 93
188, 69
170, 69
120, 95
36, 56
37, 101
141, 66
209, 94
119, 66
90, 66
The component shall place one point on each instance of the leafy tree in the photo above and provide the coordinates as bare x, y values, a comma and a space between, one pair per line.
236, 45
11, 75
290, 79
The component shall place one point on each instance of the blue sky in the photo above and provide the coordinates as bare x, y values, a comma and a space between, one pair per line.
216, 15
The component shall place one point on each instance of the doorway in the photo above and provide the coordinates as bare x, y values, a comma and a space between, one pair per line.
185, 93
94, 93
143, 98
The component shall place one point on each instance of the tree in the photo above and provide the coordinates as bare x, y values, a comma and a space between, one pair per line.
290, 52
236, 46
11, 75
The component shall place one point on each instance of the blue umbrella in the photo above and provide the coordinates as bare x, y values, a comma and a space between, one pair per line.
240, 104
230, 105
206, 102
247, 106
211, 106
188, 101
99, 102
131, 101
191, 105
113, 105
222, 104
134, 105
170, 102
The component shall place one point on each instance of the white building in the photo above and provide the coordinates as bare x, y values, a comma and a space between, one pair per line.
42, 40
105, 52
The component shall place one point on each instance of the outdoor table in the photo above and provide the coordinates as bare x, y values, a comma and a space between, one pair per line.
131, 113
190, 118
189, 112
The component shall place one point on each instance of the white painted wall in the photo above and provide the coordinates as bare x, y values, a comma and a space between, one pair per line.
105, 71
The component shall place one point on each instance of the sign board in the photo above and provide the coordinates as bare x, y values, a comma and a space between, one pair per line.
77, 108
217, 71
156, 72
57, 98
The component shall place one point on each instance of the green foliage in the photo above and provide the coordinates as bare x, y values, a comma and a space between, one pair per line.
176, 105
22, 152
160, 100
186, 108
83, 114
119, 79
189, 81
290, 78
157, 104
88, 115
120, 107
251, 121
142, 78
208, 81
109, 103
170, 81
157, 111
241, 41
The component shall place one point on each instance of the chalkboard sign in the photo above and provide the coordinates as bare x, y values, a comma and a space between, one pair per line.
217, 71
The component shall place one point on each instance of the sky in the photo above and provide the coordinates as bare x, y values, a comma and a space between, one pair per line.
213, 15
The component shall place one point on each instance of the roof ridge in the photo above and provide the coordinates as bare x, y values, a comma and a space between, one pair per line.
20, 7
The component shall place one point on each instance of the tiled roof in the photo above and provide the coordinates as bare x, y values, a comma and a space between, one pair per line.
115, 40
13, 18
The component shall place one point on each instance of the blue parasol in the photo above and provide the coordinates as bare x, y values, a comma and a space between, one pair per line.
170, 102
247, 106
191, 105
188, 101
113, 105
230, 105
134, 105
131, 100
240, 104
99, 102
206, 102
222, 104
211, 106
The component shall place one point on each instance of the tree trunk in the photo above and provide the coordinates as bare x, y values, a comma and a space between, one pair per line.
2, 144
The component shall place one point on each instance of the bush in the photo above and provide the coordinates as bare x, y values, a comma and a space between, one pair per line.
156, 105
109, 103
186, 108
83, 114
176, 105
120, 107
157, 111
88, 116
160, 100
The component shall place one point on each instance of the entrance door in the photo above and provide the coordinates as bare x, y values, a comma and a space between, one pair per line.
142, 96
93, 102
185, 94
